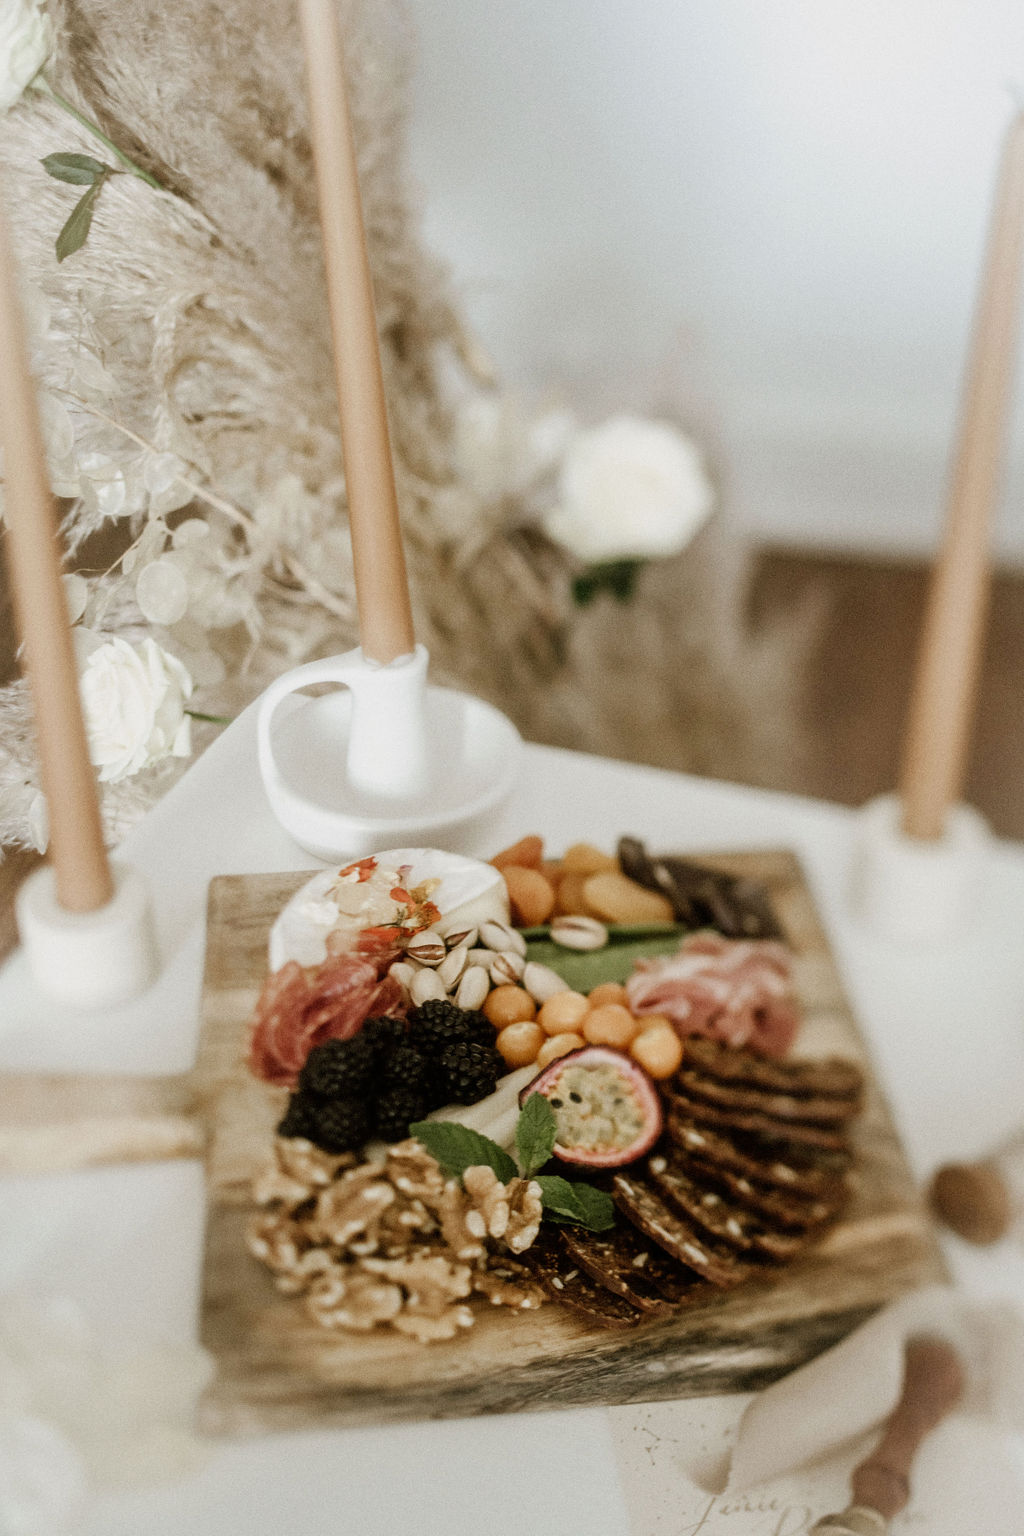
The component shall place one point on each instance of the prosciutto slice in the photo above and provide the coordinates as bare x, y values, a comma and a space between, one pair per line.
300, 1008
739, 991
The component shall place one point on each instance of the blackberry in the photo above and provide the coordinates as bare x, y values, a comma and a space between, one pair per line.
397, 1109
299, 1117
437, 1024
403, 1068
383, 1034
470, 1071
340, 1069
342, 1125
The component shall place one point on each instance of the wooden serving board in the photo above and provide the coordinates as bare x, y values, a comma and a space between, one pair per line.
277, 1369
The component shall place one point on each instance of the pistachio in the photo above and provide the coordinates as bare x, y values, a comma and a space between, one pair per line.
507, 968
501, 938
542, 982
473, 987
403, 973
428, 947
426, 984
461, 938
481, 957
580, 933
452, 966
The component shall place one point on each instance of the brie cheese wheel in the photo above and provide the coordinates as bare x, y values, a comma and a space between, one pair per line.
469, 892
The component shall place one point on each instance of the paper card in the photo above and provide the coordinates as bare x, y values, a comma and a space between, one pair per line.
968, 1480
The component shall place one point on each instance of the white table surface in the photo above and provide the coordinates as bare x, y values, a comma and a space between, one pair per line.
946, 1027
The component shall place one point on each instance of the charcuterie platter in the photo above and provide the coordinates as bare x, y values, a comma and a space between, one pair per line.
734, 1249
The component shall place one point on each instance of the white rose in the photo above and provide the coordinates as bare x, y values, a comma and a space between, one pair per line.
134, 701
26, 42
629, 489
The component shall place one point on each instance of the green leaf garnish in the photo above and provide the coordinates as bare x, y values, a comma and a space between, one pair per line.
457, 1148
581, 1203
80, 170
76, 231
535, 1134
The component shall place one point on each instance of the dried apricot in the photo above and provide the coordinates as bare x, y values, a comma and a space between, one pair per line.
528, 852
532, 896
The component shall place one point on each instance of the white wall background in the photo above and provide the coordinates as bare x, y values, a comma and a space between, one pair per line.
765, 215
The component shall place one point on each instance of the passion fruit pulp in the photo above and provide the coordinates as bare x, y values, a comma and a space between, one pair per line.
607, 1109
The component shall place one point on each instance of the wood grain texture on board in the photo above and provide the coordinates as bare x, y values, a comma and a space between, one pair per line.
277, 1369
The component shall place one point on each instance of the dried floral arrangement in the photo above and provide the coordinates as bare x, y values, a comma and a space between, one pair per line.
156, 171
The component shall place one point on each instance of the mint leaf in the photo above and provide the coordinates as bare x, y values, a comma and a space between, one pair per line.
457, 1148
80, 170
76, 231
535, 1134
581, 1203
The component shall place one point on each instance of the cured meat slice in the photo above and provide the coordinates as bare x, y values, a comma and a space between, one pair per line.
751, 1123
624, 1262
721, 1217
706, 1256
779, 1106
301, 1008
566, 1281
830, 1077
762, 1166
732, 990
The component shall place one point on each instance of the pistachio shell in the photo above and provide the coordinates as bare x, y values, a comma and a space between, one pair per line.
428, 948
425, 985
500, 938
473, 988
581, 933
452, 966
542, 982
507, 969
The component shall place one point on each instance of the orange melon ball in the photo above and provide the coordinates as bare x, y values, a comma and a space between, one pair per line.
519, 1043
508, 1005
559, 1045
611, 1025
659, 1050
563, 1012
653, 1021
608, 992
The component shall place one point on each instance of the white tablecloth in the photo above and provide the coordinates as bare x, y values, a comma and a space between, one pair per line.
946, 1027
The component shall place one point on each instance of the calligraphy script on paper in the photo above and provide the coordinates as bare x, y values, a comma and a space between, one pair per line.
666, 1450
764, 1515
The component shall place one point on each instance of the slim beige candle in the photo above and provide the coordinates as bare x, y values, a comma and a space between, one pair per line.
382, 590
81, 872
935, 754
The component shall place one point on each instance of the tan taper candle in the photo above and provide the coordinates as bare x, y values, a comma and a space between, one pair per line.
81, 872
382, 590
942, 704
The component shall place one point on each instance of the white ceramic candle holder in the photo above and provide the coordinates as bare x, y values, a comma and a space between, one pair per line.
913, 890
89, 960
384, 760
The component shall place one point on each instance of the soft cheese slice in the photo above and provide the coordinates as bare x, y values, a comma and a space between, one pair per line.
470, 892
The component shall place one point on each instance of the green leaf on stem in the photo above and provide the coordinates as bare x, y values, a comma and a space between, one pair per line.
535, 1134
580, 1203
80, 170
76, 231
457, 1148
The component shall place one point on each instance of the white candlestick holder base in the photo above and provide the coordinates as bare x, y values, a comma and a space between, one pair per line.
384, 761
916, 890
89, 960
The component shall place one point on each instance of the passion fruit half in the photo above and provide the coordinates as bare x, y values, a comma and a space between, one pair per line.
607, 1110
